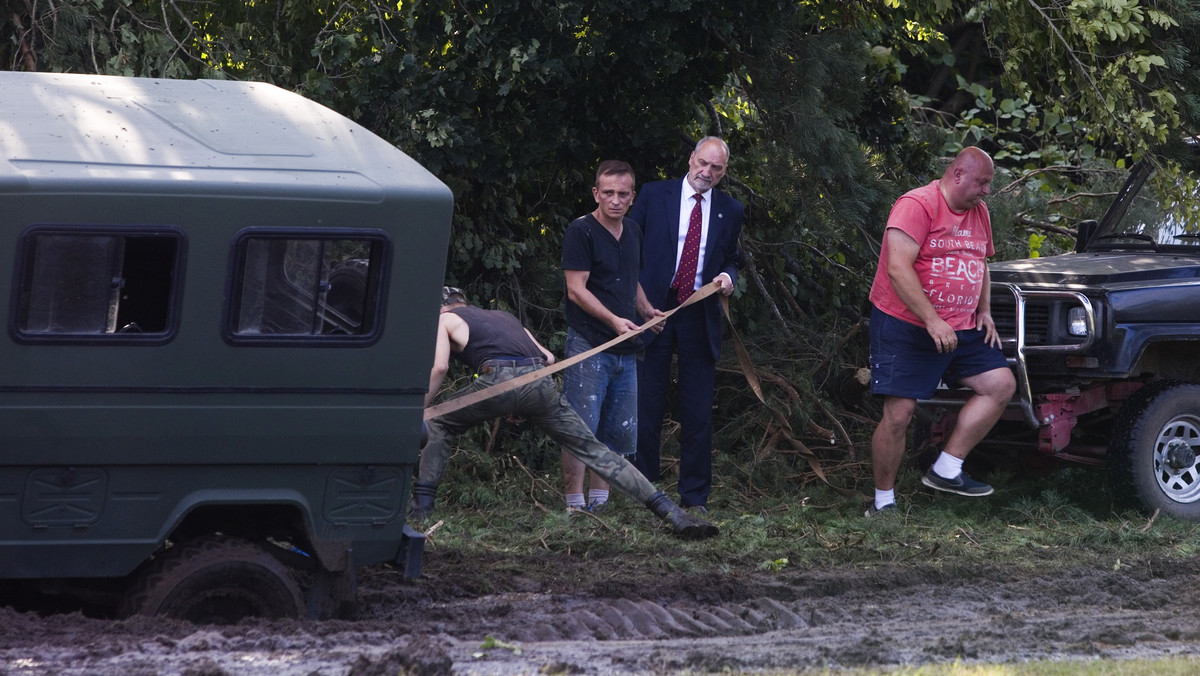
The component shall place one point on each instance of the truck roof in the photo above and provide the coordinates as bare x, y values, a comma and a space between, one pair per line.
67, 131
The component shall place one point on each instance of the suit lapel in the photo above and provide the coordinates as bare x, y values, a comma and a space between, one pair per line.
716, 214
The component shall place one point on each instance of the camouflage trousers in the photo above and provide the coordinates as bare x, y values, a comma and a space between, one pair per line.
542, 404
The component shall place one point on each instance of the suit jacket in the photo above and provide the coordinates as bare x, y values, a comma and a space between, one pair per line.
657, 212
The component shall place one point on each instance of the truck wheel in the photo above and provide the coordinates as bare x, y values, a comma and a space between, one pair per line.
333, 595
1153, 454
215, 580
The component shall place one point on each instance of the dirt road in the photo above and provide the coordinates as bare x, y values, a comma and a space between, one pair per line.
558, 614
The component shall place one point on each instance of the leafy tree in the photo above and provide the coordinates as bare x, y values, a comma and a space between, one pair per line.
1061, 93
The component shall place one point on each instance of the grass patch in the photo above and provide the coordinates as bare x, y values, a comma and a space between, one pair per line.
774, 515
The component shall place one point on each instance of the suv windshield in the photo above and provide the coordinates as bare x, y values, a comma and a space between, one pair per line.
1151, 213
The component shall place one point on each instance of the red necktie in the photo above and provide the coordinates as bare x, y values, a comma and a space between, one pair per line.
685, 275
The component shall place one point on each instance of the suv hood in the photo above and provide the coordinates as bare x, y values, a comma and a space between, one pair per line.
1096, 268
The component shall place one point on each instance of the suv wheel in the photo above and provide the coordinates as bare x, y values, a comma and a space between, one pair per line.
215, 580
1154, 454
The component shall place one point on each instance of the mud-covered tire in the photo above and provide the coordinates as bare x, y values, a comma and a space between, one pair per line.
1154, 451
333, 595
215, 580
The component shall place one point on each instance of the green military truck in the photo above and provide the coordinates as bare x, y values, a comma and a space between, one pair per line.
221, 312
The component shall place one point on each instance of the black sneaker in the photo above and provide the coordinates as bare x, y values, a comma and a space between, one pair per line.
889, 508
960, 485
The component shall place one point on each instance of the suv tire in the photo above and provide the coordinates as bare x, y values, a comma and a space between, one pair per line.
215, 580
1153, 452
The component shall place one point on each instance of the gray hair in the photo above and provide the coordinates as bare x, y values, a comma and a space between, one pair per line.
718, 139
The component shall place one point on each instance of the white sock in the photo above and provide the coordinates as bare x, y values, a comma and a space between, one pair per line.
597, 496
884, 498
947, 466
574, 500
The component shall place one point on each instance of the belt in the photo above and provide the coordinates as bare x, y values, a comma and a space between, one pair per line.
491, 365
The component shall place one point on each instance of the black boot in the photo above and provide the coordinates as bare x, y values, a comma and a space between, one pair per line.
686, 526
422, 500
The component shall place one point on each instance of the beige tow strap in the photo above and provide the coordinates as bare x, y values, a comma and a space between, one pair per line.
477, 396
746, 363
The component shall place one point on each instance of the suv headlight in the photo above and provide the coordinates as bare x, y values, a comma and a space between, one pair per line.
1077, 321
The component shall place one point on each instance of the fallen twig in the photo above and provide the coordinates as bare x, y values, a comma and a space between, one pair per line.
595, 518
533, 483
1151, 521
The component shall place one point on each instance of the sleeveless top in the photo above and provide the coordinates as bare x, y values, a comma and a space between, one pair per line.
493, 335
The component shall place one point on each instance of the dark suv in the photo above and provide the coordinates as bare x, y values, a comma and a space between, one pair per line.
1105, 344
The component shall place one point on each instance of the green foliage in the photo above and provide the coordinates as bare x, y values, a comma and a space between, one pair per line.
1099, 61
492, 643
1035, 245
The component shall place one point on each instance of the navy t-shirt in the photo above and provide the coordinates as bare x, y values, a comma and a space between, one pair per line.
613, 268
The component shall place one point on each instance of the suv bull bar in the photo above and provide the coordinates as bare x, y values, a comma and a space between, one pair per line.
1016, 350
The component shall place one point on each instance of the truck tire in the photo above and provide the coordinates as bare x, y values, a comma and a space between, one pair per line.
1153, 453
215, 580
333, 595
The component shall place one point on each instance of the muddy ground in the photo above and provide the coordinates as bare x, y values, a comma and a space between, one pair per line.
555, 613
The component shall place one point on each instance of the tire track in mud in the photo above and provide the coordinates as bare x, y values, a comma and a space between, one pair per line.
646, 619
905, 629
554, 616
841, 619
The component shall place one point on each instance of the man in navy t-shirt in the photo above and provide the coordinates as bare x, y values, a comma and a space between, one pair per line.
602, 255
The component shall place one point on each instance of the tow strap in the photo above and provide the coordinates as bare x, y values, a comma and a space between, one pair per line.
477, 396
748, 370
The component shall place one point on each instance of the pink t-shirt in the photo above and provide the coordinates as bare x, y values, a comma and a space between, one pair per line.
952, 261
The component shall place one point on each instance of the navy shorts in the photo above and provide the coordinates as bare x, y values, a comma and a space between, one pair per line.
905, 361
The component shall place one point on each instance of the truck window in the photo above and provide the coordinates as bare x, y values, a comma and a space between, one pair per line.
301, 287
97, 285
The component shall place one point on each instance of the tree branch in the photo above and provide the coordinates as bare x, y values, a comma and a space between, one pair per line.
1075, 59
1042, 225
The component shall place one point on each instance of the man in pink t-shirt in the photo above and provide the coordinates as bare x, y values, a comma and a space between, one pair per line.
932, 321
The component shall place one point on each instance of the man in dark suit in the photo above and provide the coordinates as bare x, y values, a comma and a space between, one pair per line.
689, 238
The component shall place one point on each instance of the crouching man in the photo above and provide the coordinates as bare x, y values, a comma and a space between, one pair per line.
499, 348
